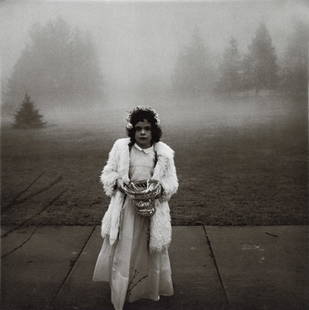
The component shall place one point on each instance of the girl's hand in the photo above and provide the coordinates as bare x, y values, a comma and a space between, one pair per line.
121, 182
153, 181
153, 184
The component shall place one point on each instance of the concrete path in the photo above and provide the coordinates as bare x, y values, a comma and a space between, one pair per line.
50, 267
264, 267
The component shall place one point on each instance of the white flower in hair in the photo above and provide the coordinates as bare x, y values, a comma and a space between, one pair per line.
141, 108
129, 125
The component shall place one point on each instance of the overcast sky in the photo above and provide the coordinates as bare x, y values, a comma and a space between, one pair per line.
140, 39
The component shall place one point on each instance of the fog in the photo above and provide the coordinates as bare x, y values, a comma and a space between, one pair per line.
138, 44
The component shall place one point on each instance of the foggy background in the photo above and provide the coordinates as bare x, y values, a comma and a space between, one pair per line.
228, 78
85, 57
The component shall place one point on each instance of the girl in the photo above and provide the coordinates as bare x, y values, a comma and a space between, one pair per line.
134, 256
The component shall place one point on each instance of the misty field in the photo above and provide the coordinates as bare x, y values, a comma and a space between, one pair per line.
240, 161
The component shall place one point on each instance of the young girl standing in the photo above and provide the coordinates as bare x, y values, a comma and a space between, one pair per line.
134, 256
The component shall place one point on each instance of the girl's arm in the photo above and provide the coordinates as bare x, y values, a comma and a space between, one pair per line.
109, 173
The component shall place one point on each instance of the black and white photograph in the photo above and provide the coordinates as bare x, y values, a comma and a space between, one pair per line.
154, 154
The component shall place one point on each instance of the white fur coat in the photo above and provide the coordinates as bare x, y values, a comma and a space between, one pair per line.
117, 166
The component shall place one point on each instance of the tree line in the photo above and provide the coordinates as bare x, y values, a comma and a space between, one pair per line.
258, 69
60, 65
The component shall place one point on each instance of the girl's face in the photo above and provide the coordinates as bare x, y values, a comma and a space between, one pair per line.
143, 134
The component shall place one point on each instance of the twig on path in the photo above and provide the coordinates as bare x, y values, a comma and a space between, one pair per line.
36, 214
22, 244
269, 234
135, 284
72, 264
215, 262
23, 191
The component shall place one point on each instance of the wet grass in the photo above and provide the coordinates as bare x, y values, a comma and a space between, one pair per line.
248, 169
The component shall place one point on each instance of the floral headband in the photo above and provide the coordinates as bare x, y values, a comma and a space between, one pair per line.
141, 108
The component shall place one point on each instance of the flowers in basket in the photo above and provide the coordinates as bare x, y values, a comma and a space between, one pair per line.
143, 193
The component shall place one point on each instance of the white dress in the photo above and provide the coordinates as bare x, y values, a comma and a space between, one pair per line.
132, 271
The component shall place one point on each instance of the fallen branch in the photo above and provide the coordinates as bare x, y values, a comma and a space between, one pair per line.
43, 189
270, 234
135, 284
36, 214
23, 191
72, 264
21, 245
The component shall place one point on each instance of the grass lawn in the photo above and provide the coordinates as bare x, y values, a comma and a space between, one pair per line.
244, 163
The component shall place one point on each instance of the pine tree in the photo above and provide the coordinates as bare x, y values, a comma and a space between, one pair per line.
260, 64
27, 116
230, 69
58, 66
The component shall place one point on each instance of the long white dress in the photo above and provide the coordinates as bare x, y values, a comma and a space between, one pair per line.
132, 271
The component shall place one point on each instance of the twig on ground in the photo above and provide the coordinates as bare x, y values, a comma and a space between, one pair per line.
23, 191
43, 189
134, 284
22, 244
36, 214
72, 264
215, 264
273, 235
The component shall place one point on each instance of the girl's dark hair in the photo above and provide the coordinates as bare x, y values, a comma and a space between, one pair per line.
139, 115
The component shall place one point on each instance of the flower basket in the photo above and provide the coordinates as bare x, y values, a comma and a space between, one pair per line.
143, 193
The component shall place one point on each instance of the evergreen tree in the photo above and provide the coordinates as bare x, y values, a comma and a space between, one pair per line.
248, 72
230, 75
58, 65
260, 67
193, 71
27, 116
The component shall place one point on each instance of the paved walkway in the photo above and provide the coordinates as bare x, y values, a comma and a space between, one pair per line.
265, 267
